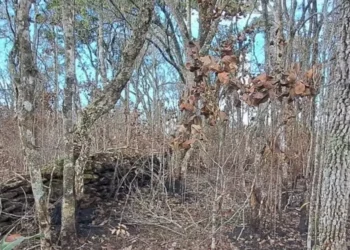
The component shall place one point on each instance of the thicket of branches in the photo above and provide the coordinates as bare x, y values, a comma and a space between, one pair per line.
244, 99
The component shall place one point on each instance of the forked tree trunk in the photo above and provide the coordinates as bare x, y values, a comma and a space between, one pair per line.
111, 93
25, 113
206, 31
68, 230
335, 182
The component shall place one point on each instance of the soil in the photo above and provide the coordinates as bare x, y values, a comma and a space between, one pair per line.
150, 216
99, 224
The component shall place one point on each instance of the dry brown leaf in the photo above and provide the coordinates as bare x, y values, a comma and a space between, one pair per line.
205, 111
187, 144
181, 128
292, 77
261, 78
229, 59
175, 143
206, 60
249, 30
215, 67
192, 99
230, 62
292, 93
268, 84
245, 97
209, 64
258, 98
195, 128
212, 121
12, 237
296, 67
307, 92
224, 77
272, 94
233, 67
227, 50
251, 89
195, 119
189, 66
299, 88
258, 95
223, 116
309, 74
187, 107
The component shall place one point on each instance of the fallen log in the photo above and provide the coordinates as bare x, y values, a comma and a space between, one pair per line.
104, 175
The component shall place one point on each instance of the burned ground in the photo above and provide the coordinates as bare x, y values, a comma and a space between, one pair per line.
129, 205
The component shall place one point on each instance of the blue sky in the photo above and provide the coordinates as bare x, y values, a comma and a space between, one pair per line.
257, 52
6, 45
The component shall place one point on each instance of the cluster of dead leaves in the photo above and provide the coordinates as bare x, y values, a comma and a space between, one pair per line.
202, 97
224, 69
291, 85
184, 140
260, 90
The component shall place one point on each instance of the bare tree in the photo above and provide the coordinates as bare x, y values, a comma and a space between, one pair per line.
25, 83
112, 92
208, 27
68, 231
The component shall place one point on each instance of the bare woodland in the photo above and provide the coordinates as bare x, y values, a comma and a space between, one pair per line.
174, 124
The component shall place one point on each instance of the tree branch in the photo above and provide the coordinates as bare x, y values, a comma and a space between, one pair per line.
172, 63
180, 21
111, 94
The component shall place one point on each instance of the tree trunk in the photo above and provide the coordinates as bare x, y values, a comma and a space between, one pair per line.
101, 54
68, 229
188, 16
111, 93
25, 112
335, 181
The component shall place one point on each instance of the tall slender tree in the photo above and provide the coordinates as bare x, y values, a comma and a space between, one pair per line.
68, 231
112, 92
25, 82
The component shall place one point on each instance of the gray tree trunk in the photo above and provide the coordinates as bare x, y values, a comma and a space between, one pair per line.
68, 230
101, 52
180, 158
25, 85
335, 182
111, 93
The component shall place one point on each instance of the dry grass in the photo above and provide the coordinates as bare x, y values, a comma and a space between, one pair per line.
158, 219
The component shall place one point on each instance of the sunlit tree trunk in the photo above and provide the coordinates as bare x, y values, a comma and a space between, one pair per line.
25, 86
206, 31
68, 230
111, 93
335, 182
101, 52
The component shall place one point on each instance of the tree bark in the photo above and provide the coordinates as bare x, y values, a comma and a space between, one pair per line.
207, 30
68, 229
335, 182
111, 93
188, 16
101, 52
25, 113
